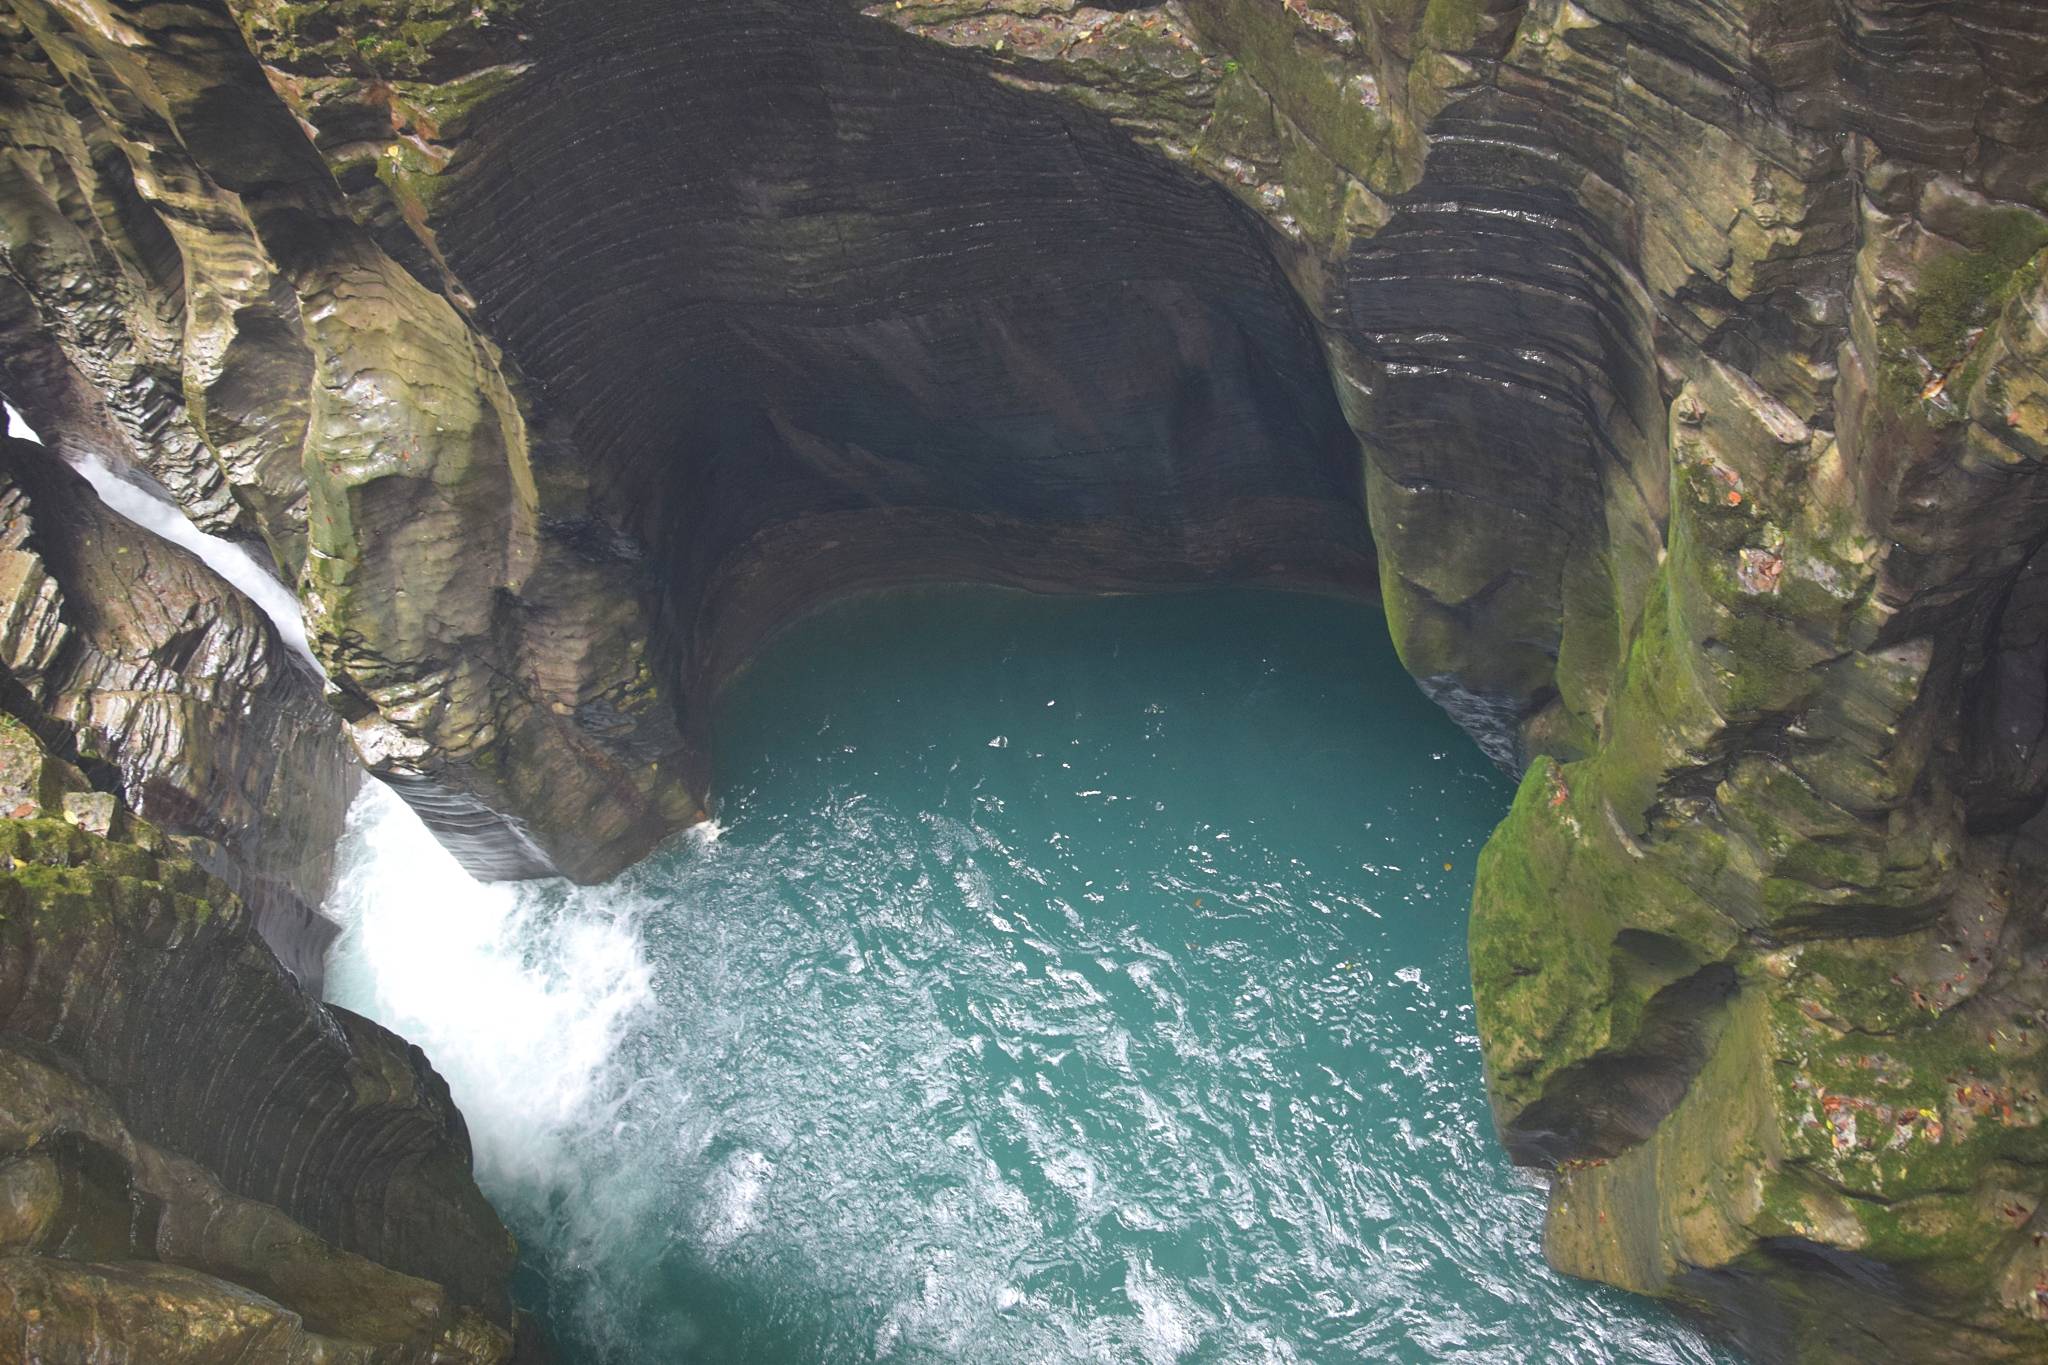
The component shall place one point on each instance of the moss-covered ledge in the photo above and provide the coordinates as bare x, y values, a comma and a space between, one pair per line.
1855, 1165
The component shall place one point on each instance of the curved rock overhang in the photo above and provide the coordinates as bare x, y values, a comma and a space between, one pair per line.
819, 306
718, 313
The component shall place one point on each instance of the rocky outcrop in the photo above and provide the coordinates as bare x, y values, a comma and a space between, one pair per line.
197, 1162
488, 649
117, 1245
1686, 360
136, 660
1788, 789
1696, 356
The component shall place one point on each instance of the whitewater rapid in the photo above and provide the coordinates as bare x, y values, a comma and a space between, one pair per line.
519, 992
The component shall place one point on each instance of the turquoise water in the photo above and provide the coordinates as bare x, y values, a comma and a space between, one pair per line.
1065, 980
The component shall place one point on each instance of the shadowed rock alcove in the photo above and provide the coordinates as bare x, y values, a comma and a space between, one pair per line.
852, 313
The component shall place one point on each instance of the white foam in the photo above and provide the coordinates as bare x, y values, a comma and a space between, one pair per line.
519, 994
732, 1193
18, 427
160, 516
1170, 1325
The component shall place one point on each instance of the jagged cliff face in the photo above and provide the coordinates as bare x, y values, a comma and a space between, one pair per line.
1687, 361
199, 1163
129, 656
489, 655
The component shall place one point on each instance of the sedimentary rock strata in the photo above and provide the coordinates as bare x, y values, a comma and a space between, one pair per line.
490, 654
129, 655
1686, 363
198, 1162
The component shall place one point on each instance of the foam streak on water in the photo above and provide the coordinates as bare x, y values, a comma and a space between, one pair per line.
1143, 1035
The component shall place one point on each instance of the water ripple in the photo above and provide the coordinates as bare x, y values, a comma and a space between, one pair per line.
1142, 1036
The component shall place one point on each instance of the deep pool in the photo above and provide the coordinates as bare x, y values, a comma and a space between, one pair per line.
1065, 980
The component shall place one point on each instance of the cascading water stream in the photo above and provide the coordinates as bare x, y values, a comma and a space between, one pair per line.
525, 990
156, 513
1072, 980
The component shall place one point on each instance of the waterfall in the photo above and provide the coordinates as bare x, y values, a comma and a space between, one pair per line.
152, 510
517, 991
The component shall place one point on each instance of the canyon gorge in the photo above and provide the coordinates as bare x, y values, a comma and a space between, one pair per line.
1672, 373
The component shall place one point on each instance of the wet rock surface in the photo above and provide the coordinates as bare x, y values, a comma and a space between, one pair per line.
488, 654
152, 673
1688, 364
198, 1162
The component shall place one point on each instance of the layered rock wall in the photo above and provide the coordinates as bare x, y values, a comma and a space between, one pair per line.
885, 321
1686, 359
136, 660
490, 657
848, 315
198, 1163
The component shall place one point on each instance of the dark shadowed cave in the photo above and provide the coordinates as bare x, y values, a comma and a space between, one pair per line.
976, 331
